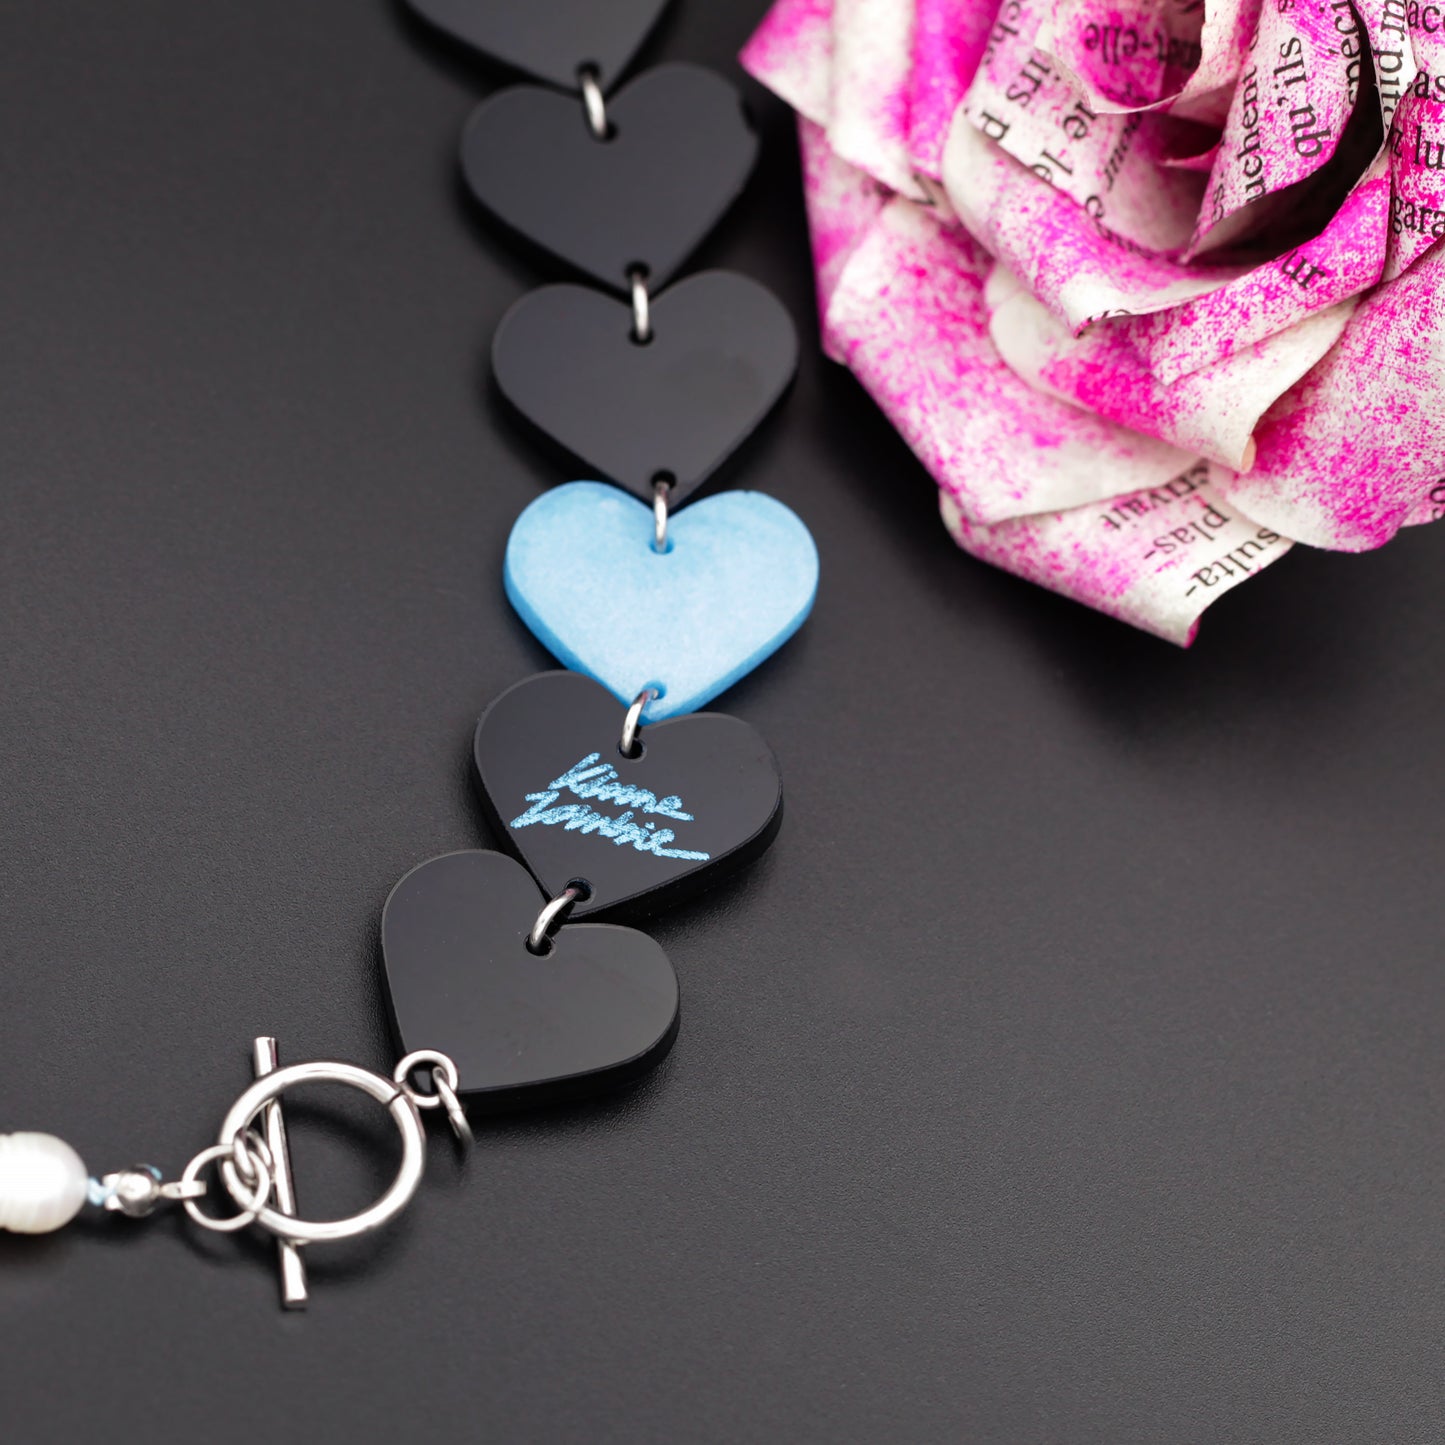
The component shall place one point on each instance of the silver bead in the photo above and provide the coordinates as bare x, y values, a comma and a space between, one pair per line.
133, 1192
43, 1183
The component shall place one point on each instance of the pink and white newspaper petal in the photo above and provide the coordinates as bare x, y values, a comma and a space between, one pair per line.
1392, 32
1077, 267
1417, 165
1353, 451
843, 204
868, 115
1156, 558
910, 319
1415, 216
1212, 412
1130, 55
948, 43
1430, 508
1417, 144
791, 53
1021, 100
1081, 500
1345, 259
1286, 119
1160, 55
1203, 162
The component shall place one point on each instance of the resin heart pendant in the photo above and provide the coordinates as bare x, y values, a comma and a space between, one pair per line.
549, 39
701, 799
722, 352
679, 154
736, 581
598, 1009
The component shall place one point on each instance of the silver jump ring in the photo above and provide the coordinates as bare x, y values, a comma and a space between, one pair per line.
551, 915
593, 103
641, 306
250, 1153
660, 491
251, 1201
244, 1112
456, 1115
442, 1068
445, 1082
632, 723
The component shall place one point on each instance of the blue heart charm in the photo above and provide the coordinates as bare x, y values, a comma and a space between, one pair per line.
736, 582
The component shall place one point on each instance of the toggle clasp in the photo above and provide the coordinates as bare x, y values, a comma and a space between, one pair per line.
254, 1156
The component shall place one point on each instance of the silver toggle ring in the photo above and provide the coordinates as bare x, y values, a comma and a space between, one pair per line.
551, 917
632, 723
247, 1109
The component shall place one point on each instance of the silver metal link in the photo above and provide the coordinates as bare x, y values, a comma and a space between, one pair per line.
456, 1115
660, 491
445, 1083
641, 306
246, 1163
632, 723
441, 1068
259, 1166
593, 103
551, 917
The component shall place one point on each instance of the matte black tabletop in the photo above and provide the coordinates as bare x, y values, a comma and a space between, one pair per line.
1072, 1069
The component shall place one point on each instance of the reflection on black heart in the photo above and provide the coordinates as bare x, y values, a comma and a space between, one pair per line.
723, 351
702, 799
679, 152
550, 39
598, 1010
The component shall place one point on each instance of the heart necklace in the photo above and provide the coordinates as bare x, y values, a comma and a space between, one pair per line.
604, 783
612, 794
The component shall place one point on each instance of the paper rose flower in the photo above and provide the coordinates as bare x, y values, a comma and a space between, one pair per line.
1152, 289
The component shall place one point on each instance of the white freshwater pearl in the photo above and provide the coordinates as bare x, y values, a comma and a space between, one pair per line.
43, 1183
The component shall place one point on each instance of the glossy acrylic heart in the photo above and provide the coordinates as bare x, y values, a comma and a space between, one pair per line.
678, 153
723, 351
738, 579
703, 798
598, 1010
549, 39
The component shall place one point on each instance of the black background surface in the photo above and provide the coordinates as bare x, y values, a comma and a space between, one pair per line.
1073, 1068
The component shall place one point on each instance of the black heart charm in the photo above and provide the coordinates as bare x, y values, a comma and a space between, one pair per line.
549, 39
598, 1009
703, 798
679, 151
723, 351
